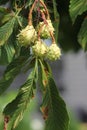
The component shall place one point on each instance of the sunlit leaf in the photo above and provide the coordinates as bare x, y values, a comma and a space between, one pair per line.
12, 70
7, 51
82, 36
6, 31
16, 108
77, 7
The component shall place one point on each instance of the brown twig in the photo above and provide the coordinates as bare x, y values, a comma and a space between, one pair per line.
42, 3
30, 13
32, 8
39, 11
45, 22
52, 36
40, 31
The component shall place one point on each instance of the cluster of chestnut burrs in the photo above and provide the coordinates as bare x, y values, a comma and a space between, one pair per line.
34, 36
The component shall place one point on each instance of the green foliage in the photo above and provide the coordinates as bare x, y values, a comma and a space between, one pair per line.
7, 52
6, 31
25, 123
16, 108
78, 11
44, 79
67, 33
5, 15
74, 123
53, 106
77, 7
70, 35
82, 36
57, 114
12, 70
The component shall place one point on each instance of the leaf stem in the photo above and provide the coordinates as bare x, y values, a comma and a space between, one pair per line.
40, 31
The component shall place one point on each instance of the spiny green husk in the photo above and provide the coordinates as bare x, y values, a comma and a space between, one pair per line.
39, 49
27, 36
54, 52
45, 29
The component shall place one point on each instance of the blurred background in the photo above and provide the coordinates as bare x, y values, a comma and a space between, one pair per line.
70, 74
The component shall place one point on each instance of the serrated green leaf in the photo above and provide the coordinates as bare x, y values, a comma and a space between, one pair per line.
12, 70
55, 109
82, 36
77, 7
7, 51
6, 31
16, 108
53, 106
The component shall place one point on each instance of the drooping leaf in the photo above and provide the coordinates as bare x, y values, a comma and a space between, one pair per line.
82, 36
12, 70
6, 31
54, 109
77, 7
7, 51
53, 106
11, 48
16, 108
